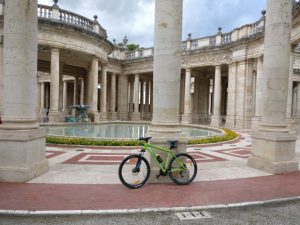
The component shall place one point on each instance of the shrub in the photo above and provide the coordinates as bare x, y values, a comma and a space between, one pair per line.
229, 135
91, 142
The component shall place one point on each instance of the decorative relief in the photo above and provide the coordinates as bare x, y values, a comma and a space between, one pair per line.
200, 59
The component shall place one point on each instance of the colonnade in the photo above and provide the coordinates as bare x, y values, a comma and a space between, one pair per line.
110, 95
230, 96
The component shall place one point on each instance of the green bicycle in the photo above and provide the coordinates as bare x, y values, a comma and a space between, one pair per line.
134, 170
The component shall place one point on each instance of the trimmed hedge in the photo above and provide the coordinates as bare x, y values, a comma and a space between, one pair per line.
94, 142
90, 142
230, 135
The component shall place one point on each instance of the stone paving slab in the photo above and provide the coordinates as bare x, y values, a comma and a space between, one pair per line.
106, 197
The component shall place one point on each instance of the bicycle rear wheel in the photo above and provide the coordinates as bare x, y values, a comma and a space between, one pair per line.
134, 171
183, 169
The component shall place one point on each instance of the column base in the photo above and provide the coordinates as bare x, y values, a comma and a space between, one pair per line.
135, 116
103, 116
114, 116
56, 117
123, 116
215, 121
186, 119
255, 122
22, 154
273, 152
239, 122
230, 122
147, 116
161, 133
96, 117
248, 122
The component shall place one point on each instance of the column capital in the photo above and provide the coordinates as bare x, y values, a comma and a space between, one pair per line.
54, 50
188, 70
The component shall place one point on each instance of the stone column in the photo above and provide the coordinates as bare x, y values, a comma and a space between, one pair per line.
151, 99
147, 93
61, 87
297, 114
142, 99
22, 141
1, 75
231, 98
259, 94
186, 117
215, 119
123, 97
42, 103
93, 88
54, 114
166, 78
240, 94
103, 110
136, 115
75, 91
290, 91
113, 97
65, 97
296, 110
81, 91
130, 97
203, 98
273, 145
210, 92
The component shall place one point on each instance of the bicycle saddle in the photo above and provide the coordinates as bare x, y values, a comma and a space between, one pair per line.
173, 144
146, 139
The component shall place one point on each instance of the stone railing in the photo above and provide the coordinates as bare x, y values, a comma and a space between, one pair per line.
139, 53
54, 13
218, 40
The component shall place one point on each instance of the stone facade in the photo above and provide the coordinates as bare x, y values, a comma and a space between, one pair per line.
223, 74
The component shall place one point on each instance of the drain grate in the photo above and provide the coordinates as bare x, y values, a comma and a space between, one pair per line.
79, 150
193, 215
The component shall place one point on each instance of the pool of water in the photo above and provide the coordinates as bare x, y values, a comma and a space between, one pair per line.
132, 131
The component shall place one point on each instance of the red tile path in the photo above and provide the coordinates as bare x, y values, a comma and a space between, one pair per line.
83, 197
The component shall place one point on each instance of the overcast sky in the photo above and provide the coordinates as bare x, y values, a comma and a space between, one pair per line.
135, 18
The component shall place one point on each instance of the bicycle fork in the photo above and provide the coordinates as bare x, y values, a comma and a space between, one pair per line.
138, 164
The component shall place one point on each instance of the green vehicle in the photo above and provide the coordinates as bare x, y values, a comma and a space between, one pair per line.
134, 170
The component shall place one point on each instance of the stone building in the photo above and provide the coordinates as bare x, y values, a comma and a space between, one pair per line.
221, 75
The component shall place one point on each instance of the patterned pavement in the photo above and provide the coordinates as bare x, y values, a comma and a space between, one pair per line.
99, 165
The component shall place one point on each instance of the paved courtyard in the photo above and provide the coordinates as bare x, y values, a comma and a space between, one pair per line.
84, 165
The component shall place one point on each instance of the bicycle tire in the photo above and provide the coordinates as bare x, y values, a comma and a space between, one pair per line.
127, 167
181, 177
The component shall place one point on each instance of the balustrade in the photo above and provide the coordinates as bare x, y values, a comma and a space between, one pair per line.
226, 38
46, 12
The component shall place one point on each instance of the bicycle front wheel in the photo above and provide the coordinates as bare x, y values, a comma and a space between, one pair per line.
134, 171
183, 169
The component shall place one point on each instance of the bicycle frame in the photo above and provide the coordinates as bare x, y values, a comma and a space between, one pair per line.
164, 168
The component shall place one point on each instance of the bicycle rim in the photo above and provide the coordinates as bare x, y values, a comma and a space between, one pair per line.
183, 169
133, 174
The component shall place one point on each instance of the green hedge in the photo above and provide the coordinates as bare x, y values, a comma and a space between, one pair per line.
93, 142
90, 142
230, 135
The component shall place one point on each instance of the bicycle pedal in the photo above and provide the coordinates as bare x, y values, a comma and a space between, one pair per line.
158, 175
